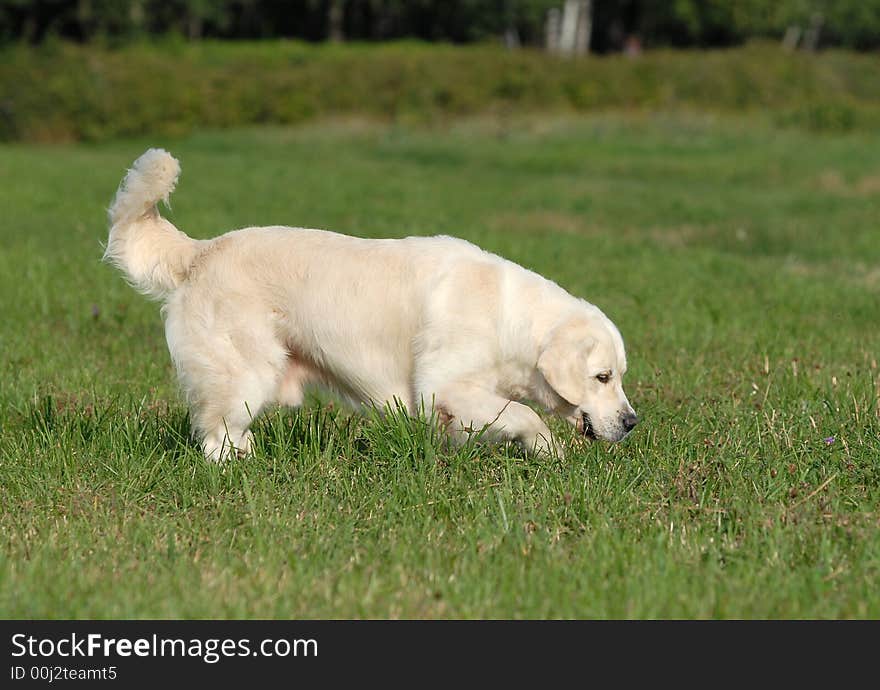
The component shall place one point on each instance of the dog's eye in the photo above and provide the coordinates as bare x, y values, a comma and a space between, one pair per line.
604, 377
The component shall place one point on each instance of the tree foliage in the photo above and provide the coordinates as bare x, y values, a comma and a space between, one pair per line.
848, 23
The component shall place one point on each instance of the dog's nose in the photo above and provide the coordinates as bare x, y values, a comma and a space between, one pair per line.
629, 421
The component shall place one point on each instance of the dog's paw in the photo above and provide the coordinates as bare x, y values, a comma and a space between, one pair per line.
542, 446
219, 450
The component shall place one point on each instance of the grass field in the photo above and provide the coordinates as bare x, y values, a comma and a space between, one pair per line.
741, 263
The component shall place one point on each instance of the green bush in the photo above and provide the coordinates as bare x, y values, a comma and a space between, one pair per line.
66, 92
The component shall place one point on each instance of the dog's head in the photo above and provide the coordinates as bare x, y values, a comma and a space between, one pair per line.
583, 361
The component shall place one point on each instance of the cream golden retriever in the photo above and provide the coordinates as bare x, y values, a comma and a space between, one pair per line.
255, 316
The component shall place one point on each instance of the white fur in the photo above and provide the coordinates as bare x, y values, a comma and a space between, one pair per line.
255, 316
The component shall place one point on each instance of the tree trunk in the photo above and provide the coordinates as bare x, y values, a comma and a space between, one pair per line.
334, 19
552, 29
584, 28
194, 27
568, 32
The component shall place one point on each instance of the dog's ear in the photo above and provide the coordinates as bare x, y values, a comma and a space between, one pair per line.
563, 360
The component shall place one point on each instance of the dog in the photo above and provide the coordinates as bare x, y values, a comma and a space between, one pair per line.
256, 316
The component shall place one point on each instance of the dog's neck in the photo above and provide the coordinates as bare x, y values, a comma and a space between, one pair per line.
532, 311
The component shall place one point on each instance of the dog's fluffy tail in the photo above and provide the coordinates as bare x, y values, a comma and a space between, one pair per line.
153, 254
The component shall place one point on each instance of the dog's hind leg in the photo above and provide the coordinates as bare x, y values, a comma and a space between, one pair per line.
228, 378
222, 409
223, 425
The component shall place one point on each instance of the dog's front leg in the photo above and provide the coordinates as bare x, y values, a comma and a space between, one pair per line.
465, 410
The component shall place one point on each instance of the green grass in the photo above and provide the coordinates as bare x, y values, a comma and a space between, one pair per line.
741, 263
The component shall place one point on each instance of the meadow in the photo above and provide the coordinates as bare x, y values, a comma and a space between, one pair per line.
740, 260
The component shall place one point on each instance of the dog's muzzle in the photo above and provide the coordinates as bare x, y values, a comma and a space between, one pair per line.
587, 428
